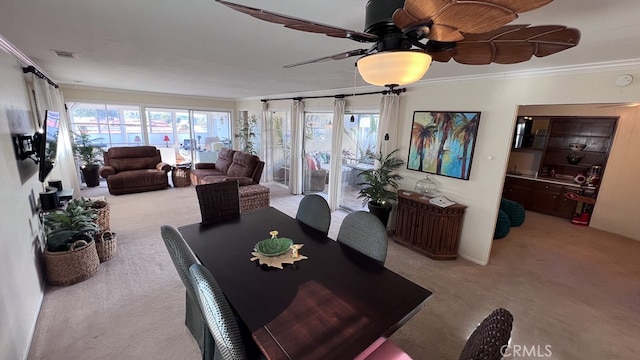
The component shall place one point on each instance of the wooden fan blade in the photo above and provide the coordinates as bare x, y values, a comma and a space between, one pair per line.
451, 18
510, 44
301, 24
340, 56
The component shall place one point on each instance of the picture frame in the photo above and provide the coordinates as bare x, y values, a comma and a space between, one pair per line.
442, 142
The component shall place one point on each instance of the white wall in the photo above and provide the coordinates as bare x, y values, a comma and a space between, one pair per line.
21, 288
498, 99
115, 96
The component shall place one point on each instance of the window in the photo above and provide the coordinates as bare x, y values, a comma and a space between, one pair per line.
107, 125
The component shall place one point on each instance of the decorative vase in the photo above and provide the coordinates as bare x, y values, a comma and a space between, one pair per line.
574, 159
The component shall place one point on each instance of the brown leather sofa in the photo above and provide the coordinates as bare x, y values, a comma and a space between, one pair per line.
230, 165
134, 169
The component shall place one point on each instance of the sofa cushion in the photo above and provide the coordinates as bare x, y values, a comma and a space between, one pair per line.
243, 165
133, 152
139, 163
225, 158
138, 179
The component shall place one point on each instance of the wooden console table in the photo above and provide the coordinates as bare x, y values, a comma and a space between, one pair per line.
426, 228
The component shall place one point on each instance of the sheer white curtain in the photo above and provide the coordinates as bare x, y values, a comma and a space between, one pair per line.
44, 96
388, 134
266, 143
297, 135
388, 127
335, 175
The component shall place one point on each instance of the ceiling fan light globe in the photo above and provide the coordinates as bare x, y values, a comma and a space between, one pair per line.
394, 67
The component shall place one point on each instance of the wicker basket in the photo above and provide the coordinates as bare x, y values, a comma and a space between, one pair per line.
181, 176
73, 266
106, 244
103, 215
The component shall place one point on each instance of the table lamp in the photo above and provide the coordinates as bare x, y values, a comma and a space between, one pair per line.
166, 140
137, 140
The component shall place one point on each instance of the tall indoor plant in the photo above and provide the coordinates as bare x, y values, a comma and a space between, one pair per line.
379, 184
89, 157
247, 134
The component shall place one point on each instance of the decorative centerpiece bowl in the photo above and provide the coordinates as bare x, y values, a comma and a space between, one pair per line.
274, 246
577, 147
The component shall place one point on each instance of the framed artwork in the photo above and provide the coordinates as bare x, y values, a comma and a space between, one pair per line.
442, 142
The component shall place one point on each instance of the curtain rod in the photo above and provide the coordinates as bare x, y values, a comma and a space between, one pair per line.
341, 96
32, 69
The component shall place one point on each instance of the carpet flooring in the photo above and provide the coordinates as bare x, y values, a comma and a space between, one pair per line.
574, 291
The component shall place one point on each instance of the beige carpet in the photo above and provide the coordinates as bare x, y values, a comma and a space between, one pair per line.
571, 288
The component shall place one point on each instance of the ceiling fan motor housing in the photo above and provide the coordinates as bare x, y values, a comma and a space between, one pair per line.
379, 13
378, 21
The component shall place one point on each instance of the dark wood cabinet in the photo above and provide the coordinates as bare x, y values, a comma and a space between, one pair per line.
426, 228
541, 196
518, 190
596, 133
546, 192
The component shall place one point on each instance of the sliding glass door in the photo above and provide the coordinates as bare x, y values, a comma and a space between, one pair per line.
358, 141
317, 152
279, 147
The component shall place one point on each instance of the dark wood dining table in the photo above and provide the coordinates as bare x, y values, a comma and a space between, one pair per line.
333, 305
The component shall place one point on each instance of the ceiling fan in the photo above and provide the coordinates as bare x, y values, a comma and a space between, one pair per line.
408, 34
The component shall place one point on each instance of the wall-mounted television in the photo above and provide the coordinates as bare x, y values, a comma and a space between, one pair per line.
47, 146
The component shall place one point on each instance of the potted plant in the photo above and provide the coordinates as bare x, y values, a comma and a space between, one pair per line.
379, 184
88, 156
70, 255
246, 134
105, 239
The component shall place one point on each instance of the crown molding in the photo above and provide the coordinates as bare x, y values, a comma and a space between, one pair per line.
620, 65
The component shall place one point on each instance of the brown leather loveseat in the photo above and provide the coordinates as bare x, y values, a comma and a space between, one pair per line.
231, 165
134, 169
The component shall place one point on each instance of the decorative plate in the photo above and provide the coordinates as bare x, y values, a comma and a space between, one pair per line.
274, 246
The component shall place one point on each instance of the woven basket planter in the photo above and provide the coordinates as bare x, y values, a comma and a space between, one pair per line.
106, 244
103, 215
73, 266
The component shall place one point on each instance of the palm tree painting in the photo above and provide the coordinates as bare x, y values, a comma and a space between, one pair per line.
442, 143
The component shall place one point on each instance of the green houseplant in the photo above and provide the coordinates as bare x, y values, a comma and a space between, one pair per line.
246, 134
64, 227
70, 255
379, 184
89, 157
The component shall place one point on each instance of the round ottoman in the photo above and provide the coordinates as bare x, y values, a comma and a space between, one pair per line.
514, 210
503, 225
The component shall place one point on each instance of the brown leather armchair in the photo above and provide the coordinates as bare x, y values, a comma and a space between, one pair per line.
134, 169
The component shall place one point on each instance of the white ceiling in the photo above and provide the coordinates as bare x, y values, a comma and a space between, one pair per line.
199, 47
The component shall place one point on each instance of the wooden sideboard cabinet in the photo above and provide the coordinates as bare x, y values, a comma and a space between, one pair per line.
428, 229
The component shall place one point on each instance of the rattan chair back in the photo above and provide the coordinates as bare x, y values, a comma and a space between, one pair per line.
314, 211
491, 335
218, 201
365, 233
183, 258
218, 314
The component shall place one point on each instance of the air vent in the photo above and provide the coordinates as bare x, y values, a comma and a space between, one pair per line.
65, 54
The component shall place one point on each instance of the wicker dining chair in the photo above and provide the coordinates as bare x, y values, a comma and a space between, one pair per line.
491, 335
230, 342
365, 233
314, 211
218, 201
183, 258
